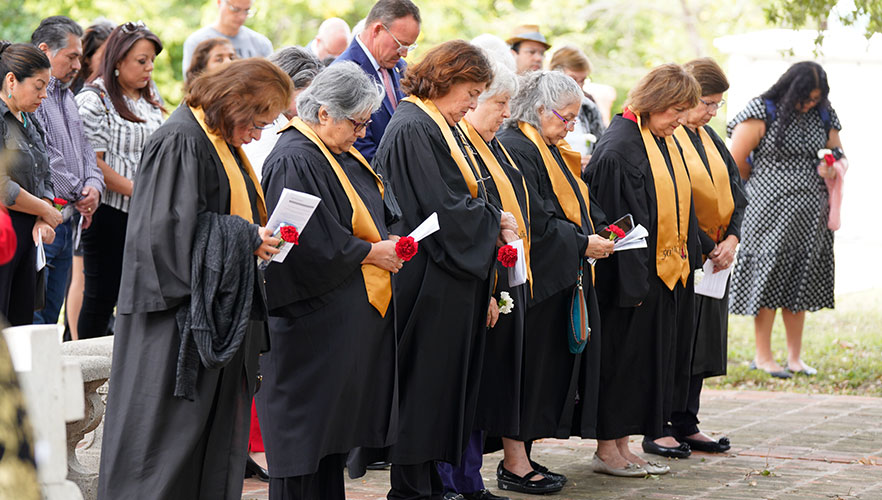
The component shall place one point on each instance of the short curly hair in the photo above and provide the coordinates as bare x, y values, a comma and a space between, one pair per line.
444, 66
664, 86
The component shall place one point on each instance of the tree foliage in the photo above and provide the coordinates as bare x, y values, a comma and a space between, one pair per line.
815, 13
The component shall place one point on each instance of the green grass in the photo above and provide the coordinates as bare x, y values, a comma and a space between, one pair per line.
844, 344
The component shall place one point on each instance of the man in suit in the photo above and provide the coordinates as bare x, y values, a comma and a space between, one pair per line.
390, 32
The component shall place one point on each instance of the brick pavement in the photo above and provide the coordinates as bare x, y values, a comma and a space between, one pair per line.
810, 447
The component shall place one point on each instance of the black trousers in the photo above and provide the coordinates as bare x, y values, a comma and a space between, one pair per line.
324, 484
103, 244
18, 277
685, 423
415, 482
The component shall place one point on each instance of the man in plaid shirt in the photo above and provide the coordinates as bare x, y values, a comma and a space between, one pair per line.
75, 173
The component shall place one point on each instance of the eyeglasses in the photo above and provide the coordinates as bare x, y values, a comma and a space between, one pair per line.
402, 49
132, 27
255, 126
249, 12
713, 106
359, 125
567, 123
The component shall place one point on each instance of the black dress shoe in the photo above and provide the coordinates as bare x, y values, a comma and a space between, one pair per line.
682, 451
719, 446
253, 469
378, 466
512, 482
484, 494
452, 495
560, 478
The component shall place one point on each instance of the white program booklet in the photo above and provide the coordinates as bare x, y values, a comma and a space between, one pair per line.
712, 284
517, 274
294, 209
427, 227
41, 251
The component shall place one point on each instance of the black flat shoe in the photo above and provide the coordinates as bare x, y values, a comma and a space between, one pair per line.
719, 446
484, 494
682, 451
253, 469
512, 482
378, 466
776, 374
560, 478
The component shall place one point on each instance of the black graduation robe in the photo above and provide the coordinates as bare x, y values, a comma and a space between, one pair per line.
329, 384
559, 394
500, 393
156, 445
712, 315
443, 292
648, 329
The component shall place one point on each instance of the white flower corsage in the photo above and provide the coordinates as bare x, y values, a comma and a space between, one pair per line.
505, 303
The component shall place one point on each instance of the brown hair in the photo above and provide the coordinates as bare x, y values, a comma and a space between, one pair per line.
709, 75
446, 65
233, 94
200, 57
119, 43
664, 86
571, 58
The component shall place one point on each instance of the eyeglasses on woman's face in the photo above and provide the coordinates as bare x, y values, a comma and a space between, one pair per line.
713, 106
358, 126
567, 123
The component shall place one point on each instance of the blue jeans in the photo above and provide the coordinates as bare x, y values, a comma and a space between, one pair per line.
59, 257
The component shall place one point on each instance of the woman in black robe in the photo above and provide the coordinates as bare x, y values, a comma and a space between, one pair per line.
330, 380
720, 201
170, 432
646, 295
559, 393
444, 292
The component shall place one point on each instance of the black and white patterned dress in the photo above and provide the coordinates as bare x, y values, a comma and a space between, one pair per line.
786, 254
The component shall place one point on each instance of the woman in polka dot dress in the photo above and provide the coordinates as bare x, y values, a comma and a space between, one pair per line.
786, 256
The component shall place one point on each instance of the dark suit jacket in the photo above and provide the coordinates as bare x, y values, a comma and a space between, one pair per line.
367, 146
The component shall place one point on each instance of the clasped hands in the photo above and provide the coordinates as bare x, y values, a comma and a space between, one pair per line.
508, 229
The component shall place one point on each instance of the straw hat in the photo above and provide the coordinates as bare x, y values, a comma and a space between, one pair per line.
527, 32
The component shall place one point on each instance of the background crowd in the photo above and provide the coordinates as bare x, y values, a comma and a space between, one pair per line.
369, 358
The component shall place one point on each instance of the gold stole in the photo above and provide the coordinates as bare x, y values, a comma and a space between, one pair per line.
377, 282
711, 191
240, 203
563, 190
430, 109
503, 185
671, 254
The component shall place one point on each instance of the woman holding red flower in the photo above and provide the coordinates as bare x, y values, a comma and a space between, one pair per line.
24, 174
330, 380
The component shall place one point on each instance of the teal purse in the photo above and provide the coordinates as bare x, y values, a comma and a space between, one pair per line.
579, 333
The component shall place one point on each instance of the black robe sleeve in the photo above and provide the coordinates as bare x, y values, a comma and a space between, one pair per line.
169, 195
558, 245
415, 158
328, 253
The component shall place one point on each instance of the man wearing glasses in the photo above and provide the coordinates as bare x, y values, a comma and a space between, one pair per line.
390, 32
230, 25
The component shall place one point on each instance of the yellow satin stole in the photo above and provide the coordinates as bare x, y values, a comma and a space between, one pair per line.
377, 282
240, 203
671, 254
503, 185
430, 109
712, 192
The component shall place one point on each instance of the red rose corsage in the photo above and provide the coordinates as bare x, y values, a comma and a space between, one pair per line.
289, 234
507, 256
59, 203
406, 247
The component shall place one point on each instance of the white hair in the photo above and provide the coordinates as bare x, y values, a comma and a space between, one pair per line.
545, 90
496, 49
505, 81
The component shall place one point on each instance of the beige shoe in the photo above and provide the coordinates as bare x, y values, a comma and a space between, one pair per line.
656, 468
630, 470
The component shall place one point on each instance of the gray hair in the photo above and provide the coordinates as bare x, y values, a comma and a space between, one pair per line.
344, 89
299, 63
496, 49
544, 90
387, 11
505, 81
55, 32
